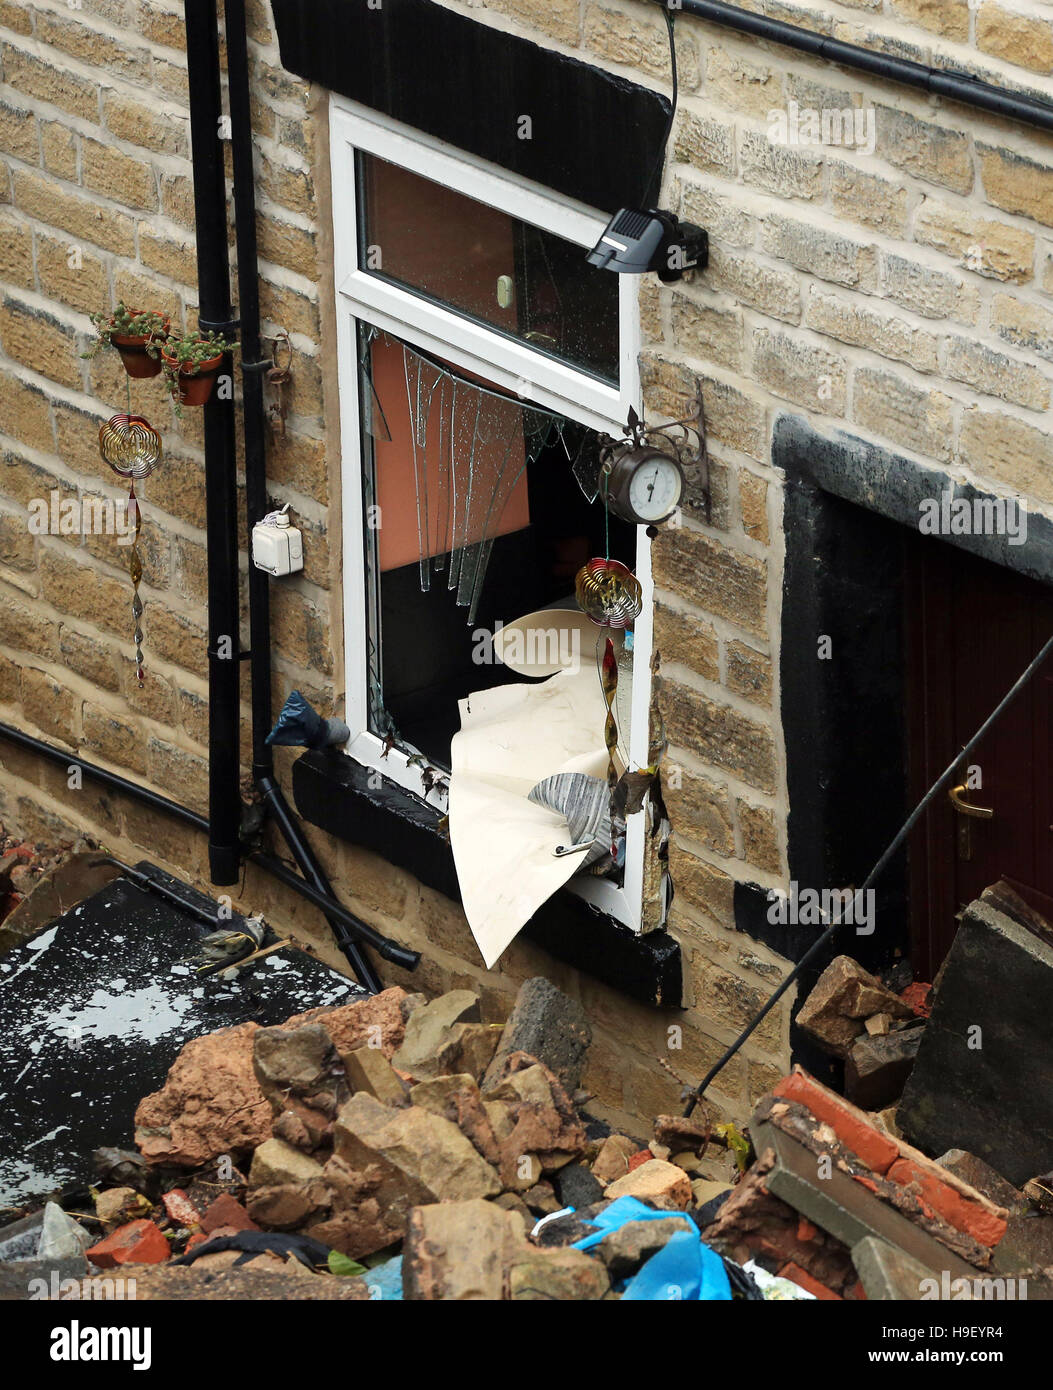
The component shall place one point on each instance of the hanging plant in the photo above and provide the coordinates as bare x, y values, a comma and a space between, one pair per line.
137, 334
191, 365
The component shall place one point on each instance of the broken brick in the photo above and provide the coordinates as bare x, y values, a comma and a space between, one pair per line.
180, 1208
637, 1159
227, 1211
804, 1280
954, 1206
873, 1148
139, 1242
919, 997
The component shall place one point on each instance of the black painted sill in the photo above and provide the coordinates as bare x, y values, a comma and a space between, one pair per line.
332, 791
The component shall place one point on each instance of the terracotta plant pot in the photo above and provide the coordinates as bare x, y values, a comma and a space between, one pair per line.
137, 361
195, 385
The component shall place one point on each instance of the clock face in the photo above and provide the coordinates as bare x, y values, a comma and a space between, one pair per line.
654, 488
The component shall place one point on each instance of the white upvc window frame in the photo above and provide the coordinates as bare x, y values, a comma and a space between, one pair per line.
541, 380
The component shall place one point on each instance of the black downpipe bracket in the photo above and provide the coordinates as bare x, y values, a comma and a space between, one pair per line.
221, 525
944, 82
253, 367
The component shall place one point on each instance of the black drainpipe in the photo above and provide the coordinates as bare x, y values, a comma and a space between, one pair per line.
253, 367
945, 82
221, 524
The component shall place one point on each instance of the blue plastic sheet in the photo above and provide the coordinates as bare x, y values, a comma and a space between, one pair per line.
385, 1281
684, 1269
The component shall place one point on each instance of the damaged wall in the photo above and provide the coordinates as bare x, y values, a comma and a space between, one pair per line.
904, 295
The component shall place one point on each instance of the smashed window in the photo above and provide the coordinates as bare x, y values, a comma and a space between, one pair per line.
481, 359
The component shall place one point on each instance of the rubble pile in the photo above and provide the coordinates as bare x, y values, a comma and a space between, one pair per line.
397, 1147
874, 1031
23, 864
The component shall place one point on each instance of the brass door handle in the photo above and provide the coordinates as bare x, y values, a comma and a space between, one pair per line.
964, 808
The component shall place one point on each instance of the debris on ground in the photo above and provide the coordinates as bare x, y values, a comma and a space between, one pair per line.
845, 999
99, 1001
397, 1148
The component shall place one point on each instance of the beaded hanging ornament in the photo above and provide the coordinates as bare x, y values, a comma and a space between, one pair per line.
132, 448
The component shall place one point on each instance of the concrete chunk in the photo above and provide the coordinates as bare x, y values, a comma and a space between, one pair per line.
878, 1066
369, 1070
428, 1026
548, 1025
275, 1162
655, 1181
983, 1079
888, 1274
423, 1157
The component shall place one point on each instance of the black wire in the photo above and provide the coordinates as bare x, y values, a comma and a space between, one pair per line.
893, 846
659, 165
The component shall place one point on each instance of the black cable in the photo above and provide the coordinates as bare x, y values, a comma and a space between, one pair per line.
947, 82
893, 846
656, 173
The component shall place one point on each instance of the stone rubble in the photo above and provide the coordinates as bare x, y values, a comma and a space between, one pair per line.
398, 1125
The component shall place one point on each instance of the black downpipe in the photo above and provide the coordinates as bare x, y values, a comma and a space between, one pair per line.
215, 312
256, 499
62, 757
274, 800
254, 426
945, 82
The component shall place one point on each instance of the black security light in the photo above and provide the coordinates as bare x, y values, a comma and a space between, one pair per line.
637, 240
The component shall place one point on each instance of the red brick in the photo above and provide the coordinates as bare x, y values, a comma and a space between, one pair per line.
637, 1159
874, 1149
137, 1243
180, 1208
227, 1211
944, 1200
802, 1277
805, 1230
918, 996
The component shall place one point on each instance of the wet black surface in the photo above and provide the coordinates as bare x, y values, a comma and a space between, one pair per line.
94, 1010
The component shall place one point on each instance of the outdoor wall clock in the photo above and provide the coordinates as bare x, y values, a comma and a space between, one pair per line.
645, 486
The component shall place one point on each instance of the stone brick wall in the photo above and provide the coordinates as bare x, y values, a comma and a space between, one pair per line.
905, 295
96, 205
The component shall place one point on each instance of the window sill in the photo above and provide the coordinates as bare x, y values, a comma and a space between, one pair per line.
332, 791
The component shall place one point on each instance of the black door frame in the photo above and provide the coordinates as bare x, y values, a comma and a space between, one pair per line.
845, 506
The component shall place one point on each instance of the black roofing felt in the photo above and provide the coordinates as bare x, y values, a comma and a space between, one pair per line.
96, 1007
592, 135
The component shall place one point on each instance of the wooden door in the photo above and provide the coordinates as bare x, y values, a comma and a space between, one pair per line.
972, 628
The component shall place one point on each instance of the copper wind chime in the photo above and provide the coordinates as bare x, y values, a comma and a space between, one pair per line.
610, 595
132, 448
